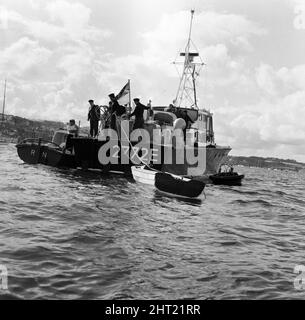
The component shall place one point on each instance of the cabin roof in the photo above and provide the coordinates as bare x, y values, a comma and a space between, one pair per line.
206, 112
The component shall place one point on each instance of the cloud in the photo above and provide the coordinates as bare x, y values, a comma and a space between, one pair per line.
266, 127
222, 39
75, 57
64, 22
22, 56
59, 54
75, 19
209, 28
48, 61
265, 77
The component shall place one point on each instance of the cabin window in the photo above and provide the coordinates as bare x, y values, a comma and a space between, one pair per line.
59, 138
193, 114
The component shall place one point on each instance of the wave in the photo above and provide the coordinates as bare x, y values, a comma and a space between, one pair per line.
73, 234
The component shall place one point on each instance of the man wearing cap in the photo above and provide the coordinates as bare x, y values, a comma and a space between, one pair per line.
94, 116
73, 128
138, 113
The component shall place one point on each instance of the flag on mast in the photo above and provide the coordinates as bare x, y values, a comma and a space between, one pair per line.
123, 96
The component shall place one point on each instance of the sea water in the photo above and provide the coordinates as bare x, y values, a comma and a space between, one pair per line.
80, 235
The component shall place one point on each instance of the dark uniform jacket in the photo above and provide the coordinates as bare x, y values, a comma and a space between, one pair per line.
139, 111
94, 113
117, 108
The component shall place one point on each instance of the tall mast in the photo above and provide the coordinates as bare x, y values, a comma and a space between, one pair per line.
187, 49
129, 107
4, 96
186, 94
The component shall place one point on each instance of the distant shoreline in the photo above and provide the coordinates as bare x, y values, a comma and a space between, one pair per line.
269, 162
8, 140
16, 128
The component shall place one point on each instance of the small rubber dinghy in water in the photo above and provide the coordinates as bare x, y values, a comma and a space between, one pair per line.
227, 177
179, 186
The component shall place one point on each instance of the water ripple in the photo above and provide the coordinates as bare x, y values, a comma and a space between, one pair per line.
81, 235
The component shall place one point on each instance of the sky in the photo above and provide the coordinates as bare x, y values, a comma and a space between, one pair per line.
56, 55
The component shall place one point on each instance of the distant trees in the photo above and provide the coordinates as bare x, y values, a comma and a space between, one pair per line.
261, 162
21, 128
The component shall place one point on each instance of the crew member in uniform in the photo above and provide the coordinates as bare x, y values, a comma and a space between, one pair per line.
188, 122
116, 110
138, 113
94, 116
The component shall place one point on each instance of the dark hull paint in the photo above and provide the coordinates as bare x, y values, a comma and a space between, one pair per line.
227, 179
87, 149
35, 153
176, 186
86, 156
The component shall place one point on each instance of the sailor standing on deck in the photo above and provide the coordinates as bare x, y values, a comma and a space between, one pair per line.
116, 110
94, 116
138, 113
188, 122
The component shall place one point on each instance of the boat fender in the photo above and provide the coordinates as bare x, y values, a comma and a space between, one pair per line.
179, 124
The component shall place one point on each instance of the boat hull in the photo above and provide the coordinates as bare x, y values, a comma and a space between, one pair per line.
178, 186
211, 160
231, 180
87, 151
35, 153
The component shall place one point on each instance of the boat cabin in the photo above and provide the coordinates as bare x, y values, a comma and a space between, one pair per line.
202, 125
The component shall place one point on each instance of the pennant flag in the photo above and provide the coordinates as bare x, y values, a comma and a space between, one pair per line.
123, 95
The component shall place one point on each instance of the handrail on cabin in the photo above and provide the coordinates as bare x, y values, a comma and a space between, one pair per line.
38, 140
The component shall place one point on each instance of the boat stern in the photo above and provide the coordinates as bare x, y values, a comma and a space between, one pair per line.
209, 162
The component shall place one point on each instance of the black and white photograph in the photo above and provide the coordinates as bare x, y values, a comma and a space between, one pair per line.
152, 150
